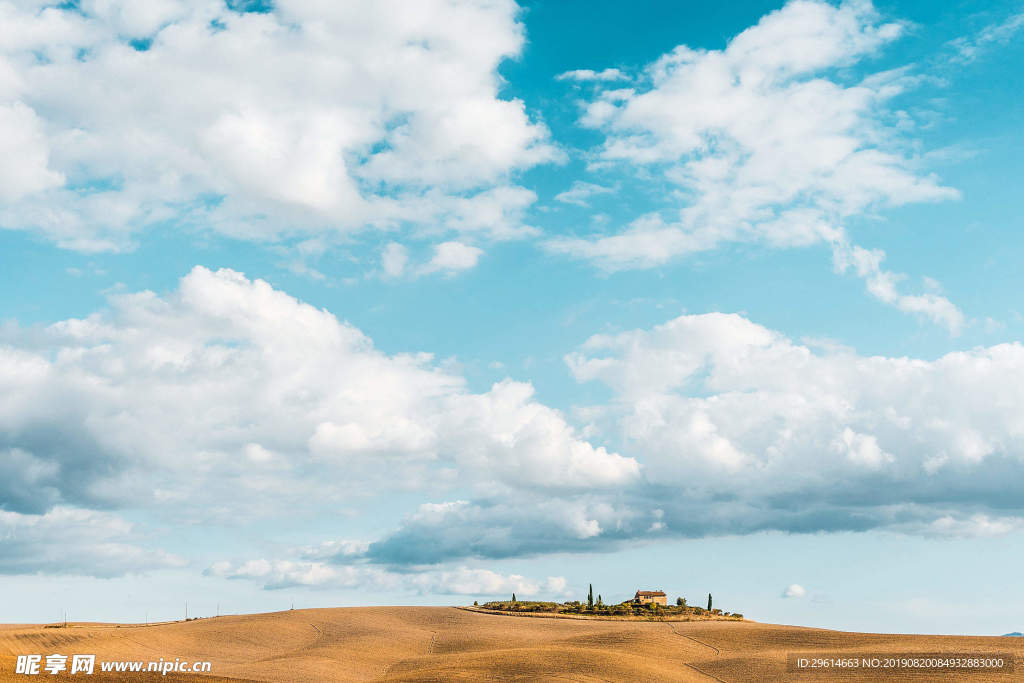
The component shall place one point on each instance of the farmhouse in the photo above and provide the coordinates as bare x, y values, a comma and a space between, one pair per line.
646, 597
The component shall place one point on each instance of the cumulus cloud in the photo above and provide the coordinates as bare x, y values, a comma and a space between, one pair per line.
770, 433
228, 397
452, 257
496, 529
24, 154
764, 141
67, 540
741, 430
794, 590
231, 392
121, 115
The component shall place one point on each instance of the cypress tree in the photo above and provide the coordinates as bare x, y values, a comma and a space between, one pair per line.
514, 598
590, 597
709, 602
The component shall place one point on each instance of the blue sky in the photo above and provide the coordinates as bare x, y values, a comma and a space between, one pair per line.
358, 305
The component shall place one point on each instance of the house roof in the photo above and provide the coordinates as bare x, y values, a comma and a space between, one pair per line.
650, 594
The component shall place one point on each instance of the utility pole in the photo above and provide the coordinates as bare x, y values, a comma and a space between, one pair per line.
186, 610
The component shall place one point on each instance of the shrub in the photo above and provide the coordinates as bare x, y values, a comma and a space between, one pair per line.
522, 606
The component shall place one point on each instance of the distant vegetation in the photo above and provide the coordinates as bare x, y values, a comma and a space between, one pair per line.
597, 608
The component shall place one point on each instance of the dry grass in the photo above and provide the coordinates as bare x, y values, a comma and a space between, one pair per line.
443, 643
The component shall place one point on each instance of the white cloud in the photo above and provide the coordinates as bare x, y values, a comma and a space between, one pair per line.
68, 540
739, 430
461, 580
794, 590
452, 257
882, 285
591, 75
230, 393
725, 407
333, 550
862, 449
972, 526
229, 398
394, 259
764, 142
395, 120
24, 154
447, 258
257, 453
580, 192
970, 48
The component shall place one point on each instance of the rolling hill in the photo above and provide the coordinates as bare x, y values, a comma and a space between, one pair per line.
447, 643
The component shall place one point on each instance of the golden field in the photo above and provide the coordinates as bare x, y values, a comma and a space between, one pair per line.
447, 643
